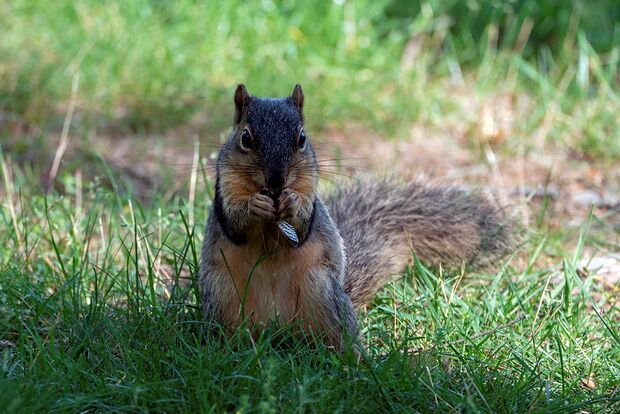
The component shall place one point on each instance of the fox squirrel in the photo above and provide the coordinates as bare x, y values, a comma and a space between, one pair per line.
275, 251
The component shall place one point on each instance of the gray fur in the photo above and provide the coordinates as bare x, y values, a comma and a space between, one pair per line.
383, 222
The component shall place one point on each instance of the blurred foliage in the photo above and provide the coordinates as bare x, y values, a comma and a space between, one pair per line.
154, 64
553, 24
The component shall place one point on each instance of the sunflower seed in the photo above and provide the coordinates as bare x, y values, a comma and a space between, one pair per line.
289, 232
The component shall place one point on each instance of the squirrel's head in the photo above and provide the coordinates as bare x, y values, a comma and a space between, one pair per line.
268, 148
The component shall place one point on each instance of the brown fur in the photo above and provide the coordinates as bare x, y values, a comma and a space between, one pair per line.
239, 185
384, 222
288, 285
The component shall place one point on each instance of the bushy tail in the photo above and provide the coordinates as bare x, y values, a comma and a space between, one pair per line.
382, 222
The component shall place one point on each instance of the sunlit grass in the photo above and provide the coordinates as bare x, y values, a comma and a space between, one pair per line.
153, 65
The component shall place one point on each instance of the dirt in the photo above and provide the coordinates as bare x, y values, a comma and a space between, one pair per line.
483, 149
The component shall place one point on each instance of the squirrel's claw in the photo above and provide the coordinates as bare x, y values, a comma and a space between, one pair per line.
290, 204
261, 206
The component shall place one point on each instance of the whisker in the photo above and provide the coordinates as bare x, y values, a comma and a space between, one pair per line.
327, 173
334, 182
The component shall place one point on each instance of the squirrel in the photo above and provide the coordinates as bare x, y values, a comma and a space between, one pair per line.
274, 251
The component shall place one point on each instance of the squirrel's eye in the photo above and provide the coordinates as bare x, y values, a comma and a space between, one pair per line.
301, 140
246, 140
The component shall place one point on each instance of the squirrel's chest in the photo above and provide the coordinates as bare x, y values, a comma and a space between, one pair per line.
269, 289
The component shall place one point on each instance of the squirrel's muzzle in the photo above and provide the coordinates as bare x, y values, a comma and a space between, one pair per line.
275, 182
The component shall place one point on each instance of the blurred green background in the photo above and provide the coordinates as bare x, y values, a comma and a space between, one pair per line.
524, 76
154, 64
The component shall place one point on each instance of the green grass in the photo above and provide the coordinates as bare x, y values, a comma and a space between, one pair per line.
99, 309
98, 300
151, 65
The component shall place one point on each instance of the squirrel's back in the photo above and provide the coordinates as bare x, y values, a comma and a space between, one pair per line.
382, 222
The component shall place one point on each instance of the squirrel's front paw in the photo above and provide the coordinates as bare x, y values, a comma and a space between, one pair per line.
289, 203
261, 206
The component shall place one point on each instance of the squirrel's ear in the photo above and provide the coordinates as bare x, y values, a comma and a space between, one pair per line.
298, 98
242, 100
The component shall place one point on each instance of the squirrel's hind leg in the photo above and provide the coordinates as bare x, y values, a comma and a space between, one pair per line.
324, 309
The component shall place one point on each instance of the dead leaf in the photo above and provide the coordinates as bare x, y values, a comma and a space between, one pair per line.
496, 119
588, 383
